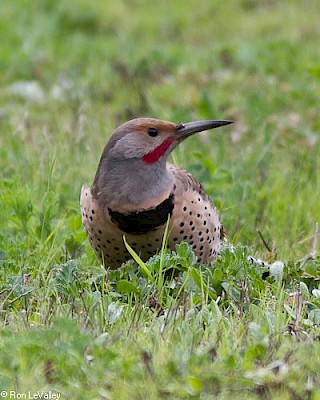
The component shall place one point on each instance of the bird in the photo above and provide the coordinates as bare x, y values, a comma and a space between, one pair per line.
136, 192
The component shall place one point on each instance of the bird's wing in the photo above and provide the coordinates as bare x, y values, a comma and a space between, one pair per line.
92, 213
85, 198
187, 182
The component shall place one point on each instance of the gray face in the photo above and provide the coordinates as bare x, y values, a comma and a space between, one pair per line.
133, 145
138, 137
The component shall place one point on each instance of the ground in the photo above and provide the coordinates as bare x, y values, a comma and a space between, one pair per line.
70, 72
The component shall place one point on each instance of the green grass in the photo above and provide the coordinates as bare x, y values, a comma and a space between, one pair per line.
177, 329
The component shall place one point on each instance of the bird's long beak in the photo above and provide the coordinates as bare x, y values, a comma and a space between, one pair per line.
189, 128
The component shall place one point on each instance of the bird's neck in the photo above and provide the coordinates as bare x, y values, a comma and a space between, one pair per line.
132, 185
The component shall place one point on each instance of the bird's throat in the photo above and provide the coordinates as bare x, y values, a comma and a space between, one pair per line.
154, 155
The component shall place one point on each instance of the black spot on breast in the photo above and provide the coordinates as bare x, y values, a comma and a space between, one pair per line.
181, 224
143, 221
100, 231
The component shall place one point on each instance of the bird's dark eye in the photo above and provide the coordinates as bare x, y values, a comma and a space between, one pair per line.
153, 132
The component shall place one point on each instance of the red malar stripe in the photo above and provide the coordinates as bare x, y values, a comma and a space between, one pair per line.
158, 152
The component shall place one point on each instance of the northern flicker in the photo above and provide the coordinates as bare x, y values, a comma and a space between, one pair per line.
135, 190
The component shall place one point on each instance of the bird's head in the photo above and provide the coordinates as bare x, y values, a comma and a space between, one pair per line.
132, 168
151, 140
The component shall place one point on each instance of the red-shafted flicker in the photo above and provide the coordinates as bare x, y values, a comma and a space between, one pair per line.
135, 190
